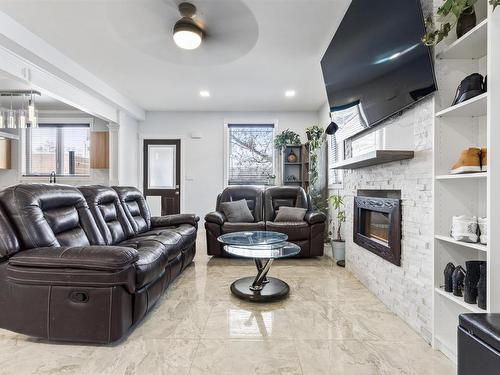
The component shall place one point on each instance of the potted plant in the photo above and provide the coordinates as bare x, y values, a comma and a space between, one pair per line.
285, 138
315, 137
453, 12
338, 217
495, 3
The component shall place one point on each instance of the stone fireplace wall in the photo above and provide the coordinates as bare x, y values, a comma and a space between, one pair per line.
406, 290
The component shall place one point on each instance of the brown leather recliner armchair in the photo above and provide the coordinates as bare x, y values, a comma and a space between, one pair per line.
85, 264
264, 204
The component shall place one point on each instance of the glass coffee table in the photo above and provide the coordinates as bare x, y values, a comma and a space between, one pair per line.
263, 247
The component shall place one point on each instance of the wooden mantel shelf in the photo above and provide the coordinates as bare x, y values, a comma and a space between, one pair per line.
374, 158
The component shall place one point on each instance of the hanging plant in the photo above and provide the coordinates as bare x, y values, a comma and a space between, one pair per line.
285, 138
315, 138
447, 16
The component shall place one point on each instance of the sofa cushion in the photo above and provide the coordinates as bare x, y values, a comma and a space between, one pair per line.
135, 207
290, 214
279, 196
9, 244
47, 215
296, 231
108, 258
151, 263
108, 213
242, 227
170, 241
237, 212
250, 193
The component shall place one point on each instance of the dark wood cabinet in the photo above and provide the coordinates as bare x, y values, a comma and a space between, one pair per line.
295, 169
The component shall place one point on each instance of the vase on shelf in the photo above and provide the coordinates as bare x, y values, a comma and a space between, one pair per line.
466, 22
291, 158
448, 277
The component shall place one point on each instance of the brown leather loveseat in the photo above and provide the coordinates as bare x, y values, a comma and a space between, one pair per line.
264, 204
85, 264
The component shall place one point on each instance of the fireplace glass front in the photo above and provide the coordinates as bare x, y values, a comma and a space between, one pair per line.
376, 226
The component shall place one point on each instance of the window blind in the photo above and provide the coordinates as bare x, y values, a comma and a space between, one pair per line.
250, 154
60, 148
350, 122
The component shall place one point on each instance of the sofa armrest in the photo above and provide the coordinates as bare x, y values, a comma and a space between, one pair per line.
99, 258
172, 220
314, 217
216, 217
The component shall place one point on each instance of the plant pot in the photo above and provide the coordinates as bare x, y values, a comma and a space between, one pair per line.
338, 250
466, 22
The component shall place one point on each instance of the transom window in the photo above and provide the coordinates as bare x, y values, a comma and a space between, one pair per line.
60, 148
250, 156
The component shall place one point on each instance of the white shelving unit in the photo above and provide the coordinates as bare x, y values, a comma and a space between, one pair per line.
474, 123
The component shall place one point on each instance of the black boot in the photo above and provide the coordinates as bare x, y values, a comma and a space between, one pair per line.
458, 281
481, 287
448, 280
470, 87
471, 280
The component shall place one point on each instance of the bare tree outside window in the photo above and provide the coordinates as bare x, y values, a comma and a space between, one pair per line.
250, 157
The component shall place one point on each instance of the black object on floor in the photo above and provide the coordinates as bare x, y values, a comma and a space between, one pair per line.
471, 280
458, 281
481, 287
341, 263
448, 277
478, 341
470, 87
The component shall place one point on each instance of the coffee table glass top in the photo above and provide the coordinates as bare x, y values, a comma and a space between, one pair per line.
252, 238
273, 251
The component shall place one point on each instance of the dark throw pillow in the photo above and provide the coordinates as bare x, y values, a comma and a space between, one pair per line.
237, 211
290, 214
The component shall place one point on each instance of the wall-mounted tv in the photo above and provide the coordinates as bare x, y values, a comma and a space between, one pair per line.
377, 61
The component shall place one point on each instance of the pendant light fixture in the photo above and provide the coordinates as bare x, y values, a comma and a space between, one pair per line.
2, 119
31, 107
187, 34
11, 117
24, 115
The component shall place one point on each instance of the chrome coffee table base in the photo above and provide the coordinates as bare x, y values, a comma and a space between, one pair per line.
260, 288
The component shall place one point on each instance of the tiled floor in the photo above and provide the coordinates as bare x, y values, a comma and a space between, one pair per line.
330, 324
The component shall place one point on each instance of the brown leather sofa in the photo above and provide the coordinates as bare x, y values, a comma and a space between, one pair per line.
264, 204
85, 264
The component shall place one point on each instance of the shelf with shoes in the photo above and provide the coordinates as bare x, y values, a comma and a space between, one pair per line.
474, 107
466, 120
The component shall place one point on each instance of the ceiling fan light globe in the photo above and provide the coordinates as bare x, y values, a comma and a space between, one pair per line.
187, 35
187, 39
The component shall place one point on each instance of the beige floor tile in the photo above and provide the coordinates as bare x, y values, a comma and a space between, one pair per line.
246, 357
330, 324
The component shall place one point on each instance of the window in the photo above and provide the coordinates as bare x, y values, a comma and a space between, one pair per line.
250, 157
60, 148
350, 121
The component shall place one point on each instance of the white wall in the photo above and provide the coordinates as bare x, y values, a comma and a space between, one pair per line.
128, 158
203, 159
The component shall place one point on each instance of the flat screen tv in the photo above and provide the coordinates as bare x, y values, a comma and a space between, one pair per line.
377, 61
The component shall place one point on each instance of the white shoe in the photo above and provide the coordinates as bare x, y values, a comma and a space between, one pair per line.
464, 228
483, 229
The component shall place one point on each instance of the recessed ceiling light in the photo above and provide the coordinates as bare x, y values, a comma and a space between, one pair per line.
290, 93
187, 34
205, 93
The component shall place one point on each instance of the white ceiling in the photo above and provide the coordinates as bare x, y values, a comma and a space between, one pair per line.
254, 50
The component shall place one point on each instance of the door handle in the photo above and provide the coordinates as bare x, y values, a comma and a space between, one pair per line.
176, 193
